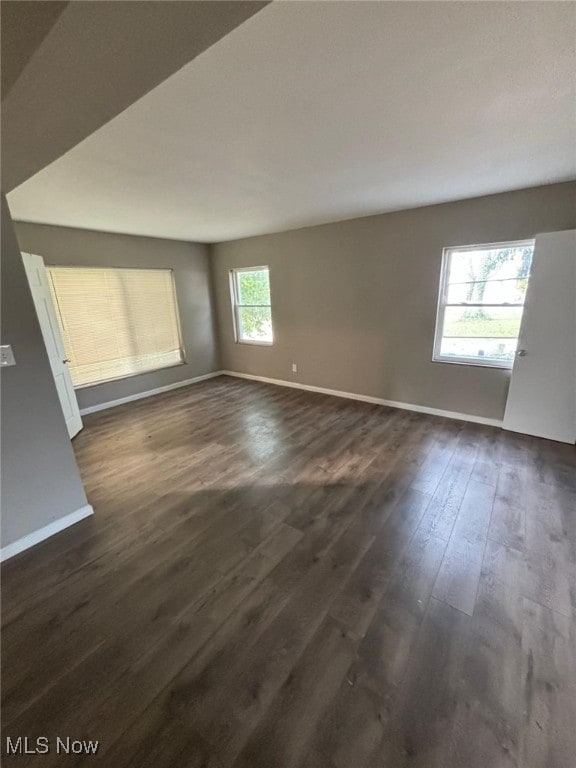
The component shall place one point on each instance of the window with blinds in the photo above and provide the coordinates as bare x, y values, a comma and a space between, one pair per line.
116, 322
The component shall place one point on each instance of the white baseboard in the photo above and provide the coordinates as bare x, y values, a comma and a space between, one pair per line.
10, 550
369, 399
148, 393
296, 385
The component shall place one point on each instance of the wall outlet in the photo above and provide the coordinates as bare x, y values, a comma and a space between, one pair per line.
6, 355
294, 368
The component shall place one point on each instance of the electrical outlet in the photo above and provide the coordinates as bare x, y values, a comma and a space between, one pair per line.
294, 368
6, 355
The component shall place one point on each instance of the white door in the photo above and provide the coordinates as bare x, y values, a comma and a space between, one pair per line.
38, 279
542, 395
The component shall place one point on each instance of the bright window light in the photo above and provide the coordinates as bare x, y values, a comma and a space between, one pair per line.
250, 288
482, 293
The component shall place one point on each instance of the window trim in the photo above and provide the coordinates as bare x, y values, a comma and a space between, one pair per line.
183, 357
131, 375
236, 306
447, 252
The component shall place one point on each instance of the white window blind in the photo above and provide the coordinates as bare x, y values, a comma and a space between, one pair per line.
116, 322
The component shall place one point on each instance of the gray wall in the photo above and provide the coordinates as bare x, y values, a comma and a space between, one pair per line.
354, 303
40, 479
65, 246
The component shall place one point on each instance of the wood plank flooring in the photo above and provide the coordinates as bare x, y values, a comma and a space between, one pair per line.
281, 579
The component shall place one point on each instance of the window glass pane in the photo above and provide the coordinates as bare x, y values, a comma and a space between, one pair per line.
482, 322
491, 350
253, 287
255, 323
490, 264
512, 291
116, 322
483, 301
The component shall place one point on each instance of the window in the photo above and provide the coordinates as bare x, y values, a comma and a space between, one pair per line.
481, 300
116, 322
250, 288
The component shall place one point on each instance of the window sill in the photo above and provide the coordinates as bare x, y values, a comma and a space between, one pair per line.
474, 363
130, 375
255, 343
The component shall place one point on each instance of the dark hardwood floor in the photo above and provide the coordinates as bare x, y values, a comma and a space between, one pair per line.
280, 579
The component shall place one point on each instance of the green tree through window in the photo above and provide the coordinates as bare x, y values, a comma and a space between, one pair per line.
481, 302
480, 273
253, 313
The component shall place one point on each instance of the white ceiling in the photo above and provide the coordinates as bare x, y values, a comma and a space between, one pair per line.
315, 111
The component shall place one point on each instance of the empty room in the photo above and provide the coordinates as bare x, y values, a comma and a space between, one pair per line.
288, 384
